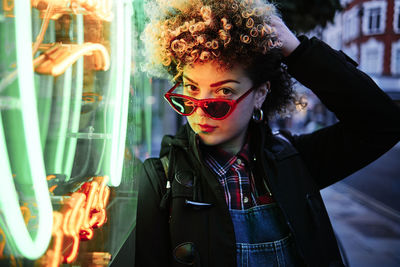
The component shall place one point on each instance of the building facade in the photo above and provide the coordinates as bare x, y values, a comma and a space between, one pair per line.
369, 32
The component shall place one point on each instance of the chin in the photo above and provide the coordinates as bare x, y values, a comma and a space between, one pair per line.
209, 140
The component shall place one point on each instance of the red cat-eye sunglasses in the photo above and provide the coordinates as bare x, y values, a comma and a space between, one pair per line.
215, 108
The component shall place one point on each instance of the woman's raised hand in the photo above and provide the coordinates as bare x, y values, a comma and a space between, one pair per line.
286, 36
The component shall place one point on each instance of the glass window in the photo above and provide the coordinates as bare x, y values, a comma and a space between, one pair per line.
74, 126
397, 14
397, 61
374, 19
371, 60
372, 53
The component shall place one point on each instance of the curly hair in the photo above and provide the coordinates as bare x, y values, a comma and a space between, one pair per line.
184, 32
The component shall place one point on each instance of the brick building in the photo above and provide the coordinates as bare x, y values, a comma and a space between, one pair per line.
369, 32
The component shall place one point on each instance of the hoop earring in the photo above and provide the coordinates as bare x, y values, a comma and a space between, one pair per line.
258, 117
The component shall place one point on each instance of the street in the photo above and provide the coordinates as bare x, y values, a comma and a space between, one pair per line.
380, 180
365, 213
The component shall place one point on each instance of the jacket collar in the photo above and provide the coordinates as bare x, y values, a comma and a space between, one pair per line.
276, 146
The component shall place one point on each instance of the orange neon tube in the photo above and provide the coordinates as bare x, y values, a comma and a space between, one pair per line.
73, 220
53, 256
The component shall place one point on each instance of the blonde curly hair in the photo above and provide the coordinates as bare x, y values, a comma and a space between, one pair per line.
182, 32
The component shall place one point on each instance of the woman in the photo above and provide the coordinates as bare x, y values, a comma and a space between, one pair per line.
227, 191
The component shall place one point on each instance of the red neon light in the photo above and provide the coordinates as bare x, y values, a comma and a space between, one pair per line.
50, 177
51, 189
53, 256
2, 242
90, 190
83, 211
99, 216
90, 97
72, 223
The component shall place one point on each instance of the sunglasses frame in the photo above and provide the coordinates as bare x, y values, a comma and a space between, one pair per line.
202, 102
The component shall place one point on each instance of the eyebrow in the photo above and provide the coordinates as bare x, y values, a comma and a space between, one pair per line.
213, 84
190, 80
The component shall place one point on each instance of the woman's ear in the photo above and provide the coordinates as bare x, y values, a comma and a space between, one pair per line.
261, 93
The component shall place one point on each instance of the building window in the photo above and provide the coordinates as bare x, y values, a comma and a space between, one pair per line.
374, 17
395, 58
371, 60
351, 24
351, 51
397, 64
396, 17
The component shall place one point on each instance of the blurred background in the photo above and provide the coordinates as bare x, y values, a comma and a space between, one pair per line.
78, 115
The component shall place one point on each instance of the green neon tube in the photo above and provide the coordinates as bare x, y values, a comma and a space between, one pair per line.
115, 173
54, 153
44, 107
125, 92
64, 117
76, 105
16, 229
46, 91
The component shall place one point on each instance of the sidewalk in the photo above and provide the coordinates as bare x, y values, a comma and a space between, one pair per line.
370, 234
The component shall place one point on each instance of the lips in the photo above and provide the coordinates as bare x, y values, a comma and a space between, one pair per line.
207, 128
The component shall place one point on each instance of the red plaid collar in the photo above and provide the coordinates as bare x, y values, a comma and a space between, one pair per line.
225, 158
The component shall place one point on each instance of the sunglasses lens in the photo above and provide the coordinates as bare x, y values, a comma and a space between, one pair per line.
217, 109
182, 105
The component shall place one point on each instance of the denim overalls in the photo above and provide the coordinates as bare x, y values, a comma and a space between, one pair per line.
263, 237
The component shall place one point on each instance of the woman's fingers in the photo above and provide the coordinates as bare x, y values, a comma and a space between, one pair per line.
285, 35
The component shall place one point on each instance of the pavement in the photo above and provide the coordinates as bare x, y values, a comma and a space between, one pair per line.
381, 179
368, 230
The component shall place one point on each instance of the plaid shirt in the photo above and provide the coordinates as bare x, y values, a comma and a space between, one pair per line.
235, 177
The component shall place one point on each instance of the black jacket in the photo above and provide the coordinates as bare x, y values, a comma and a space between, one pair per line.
296, 168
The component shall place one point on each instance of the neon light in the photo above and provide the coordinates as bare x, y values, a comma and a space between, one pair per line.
73, 221
53, 256
121, 89
90, 190
91, 97
51, 189
99, 207
8, 5
12, 222
76, 108
75, 240
50, 177
63, 121
60, 57
88, 204
116, 88
43, 28
2, 242
26, 213
125, 90
98, 9
56, 146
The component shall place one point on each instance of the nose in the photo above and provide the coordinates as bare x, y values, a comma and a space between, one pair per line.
199, 111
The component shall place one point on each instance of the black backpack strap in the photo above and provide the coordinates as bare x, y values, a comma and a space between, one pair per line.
165, 163
157, 170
